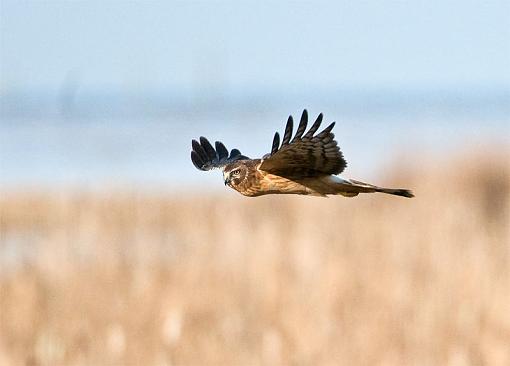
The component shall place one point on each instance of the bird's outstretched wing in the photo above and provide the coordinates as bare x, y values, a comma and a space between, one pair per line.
206, 157
306, 155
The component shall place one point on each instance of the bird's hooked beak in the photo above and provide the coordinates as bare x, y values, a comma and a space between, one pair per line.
226, 179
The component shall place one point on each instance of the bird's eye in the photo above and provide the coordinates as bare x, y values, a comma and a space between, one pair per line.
236, 172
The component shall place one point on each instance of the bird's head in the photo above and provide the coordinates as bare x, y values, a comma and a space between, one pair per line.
234, 174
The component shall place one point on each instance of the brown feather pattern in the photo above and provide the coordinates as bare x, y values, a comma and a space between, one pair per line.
307, 156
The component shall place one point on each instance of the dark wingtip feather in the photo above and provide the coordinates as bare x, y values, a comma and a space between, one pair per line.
221, 150
315, 126
276, 143
327, 130
302, 125
234, 153
197, 161
199, 150
211, 153
288, 131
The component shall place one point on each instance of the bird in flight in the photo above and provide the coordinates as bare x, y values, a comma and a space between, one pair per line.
306, 164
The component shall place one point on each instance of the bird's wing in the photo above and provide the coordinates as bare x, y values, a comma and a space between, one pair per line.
306, 155
205, 157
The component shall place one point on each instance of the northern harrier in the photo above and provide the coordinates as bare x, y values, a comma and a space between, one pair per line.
308, 164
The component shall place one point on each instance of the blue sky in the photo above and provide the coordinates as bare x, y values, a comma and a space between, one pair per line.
254, 45
108, 91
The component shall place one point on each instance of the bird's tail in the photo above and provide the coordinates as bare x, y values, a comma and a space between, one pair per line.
352, 187
397, 192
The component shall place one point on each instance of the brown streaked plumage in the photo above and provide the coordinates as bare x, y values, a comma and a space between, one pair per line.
306, 164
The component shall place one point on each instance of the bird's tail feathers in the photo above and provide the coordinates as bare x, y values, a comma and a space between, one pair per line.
397, 192
354, 187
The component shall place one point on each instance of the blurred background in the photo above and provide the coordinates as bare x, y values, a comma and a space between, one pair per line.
115, 250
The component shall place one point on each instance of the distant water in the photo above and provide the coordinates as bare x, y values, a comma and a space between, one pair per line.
153, 151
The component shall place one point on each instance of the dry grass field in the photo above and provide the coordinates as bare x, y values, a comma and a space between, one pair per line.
134, 278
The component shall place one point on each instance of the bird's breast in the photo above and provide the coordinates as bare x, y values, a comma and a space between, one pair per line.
262, 183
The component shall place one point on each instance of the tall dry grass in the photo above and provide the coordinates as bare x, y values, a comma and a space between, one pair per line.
91, 278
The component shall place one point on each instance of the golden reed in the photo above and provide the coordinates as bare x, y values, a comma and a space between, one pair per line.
96, 278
